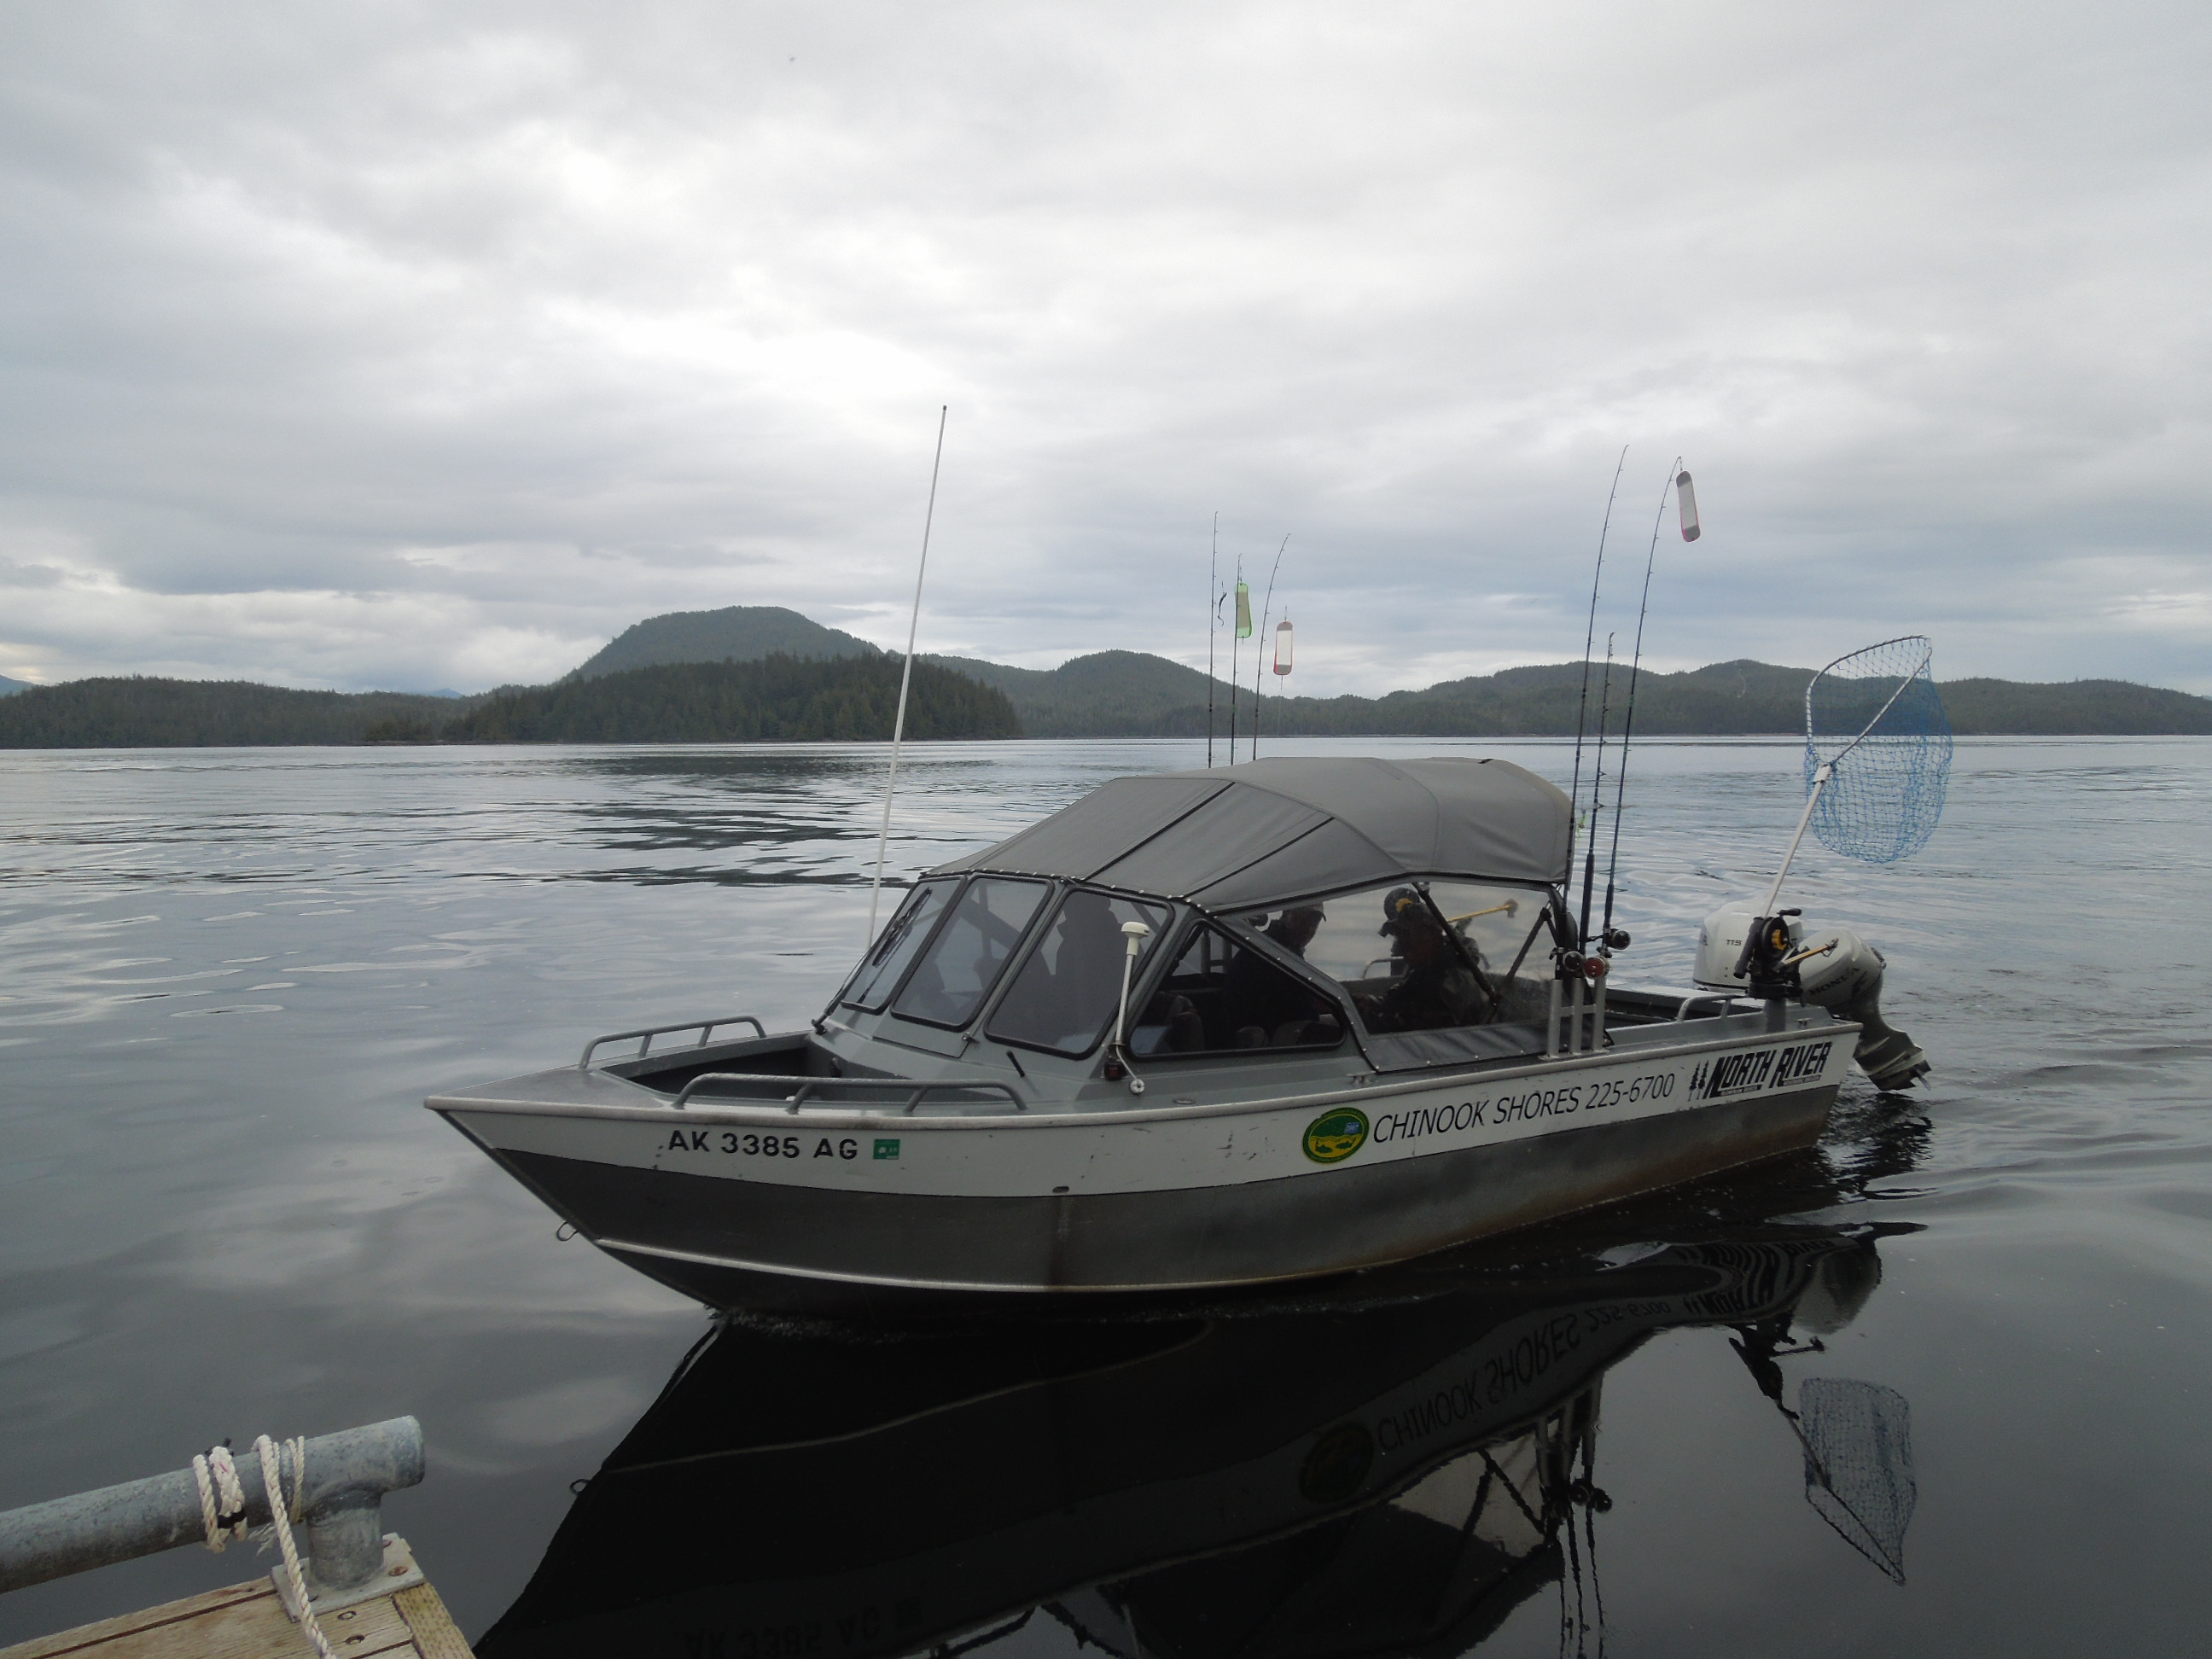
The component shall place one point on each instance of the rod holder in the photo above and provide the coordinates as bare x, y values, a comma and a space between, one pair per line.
348, 1475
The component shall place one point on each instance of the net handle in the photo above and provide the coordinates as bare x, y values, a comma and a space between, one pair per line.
1812, 799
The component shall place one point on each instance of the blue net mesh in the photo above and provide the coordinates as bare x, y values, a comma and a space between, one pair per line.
1858, 1464
1877, 717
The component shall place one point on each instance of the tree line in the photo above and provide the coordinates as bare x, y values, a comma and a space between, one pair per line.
773, 700
785, 698
1740, 698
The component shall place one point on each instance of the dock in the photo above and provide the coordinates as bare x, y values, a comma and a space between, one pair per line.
358, 1586
248, 1621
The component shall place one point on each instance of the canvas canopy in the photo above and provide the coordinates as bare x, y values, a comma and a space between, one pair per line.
1267, 832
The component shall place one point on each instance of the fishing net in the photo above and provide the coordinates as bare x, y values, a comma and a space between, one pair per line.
1858, 1464
1876, 717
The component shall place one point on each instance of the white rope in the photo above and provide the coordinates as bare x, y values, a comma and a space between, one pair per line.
222, 1500
272, 1482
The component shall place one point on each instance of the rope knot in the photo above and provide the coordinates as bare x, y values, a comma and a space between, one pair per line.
222, 1500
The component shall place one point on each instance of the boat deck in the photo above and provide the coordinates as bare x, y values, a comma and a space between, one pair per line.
248, 1621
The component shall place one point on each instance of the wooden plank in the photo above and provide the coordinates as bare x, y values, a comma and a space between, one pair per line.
242, 1626
437, 1636
355, 1633
84, 1636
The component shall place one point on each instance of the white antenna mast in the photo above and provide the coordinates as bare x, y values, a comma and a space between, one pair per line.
906, 679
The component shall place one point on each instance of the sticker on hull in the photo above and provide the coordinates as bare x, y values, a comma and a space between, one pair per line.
1334, 1136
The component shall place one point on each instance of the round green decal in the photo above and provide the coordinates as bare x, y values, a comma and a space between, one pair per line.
1336, 1465
1335, 1136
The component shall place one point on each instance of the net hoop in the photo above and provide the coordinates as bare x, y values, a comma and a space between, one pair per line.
1873, 718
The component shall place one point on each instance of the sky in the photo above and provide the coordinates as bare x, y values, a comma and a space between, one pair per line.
426, 346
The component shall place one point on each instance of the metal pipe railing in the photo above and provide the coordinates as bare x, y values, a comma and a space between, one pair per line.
347, 1475
805, 1090
705, 1028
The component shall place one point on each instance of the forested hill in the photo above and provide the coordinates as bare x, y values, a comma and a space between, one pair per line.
8, 686
776, 699
819, 695
1130, 694
736, 632
1106, 693
141, 713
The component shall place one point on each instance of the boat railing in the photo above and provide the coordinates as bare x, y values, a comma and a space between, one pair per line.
778, 1089
1726, 1005
644, 1036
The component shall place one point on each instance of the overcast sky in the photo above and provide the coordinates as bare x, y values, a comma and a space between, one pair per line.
424, 345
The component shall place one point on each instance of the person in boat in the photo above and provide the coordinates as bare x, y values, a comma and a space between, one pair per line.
1438, 988
1257, 996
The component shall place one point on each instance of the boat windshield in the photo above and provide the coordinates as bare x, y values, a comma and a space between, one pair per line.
881, 970
965, 960
1070, 989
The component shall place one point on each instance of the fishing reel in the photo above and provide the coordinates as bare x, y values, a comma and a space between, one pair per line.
1768, 961
1591, 964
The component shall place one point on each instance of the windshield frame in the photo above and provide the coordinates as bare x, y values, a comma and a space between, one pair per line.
844, 998
988, 996
1147, 969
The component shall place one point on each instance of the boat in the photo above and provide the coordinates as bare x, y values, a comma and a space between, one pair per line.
1391, 1470
1197, 1030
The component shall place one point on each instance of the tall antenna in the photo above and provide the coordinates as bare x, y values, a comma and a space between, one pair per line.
1240, 626
1581, 709
1678, 480
906, 678
1212, 626
1259, 652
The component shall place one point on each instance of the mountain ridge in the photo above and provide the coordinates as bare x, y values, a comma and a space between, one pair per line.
1133, 694
1101, 694
736, 633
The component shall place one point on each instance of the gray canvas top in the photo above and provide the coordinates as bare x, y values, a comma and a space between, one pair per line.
1254, 835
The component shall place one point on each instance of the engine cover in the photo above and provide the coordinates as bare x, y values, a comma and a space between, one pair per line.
1720, 942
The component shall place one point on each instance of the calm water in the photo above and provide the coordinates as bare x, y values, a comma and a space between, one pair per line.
228, 978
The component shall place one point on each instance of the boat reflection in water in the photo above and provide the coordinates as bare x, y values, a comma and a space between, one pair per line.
1392, 1470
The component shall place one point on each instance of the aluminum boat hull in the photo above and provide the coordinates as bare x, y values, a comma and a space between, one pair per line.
870, 1212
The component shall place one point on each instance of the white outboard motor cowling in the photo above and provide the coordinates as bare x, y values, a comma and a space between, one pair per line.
1720, 944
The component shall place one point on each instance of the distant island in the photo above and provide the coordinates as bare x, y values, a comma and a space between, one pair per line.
1127, 694
765, 674
777, 698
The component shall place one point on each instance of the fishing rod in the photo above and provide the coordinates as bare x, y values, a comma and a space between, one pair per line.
1240, 626
1597, 788
1212, 626
1680, 481
1259, 653
1581, 709
906, 678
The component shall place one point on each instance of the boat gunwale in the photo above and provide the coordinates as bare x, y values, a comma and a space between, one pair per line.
1033, 1117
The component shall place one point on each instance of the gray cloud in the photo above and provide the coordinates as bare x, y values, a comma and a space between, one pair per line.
409, 345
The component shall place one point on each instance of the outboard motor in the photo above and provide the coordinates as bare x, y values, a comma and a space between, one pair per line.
1832, 969
1841, 972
